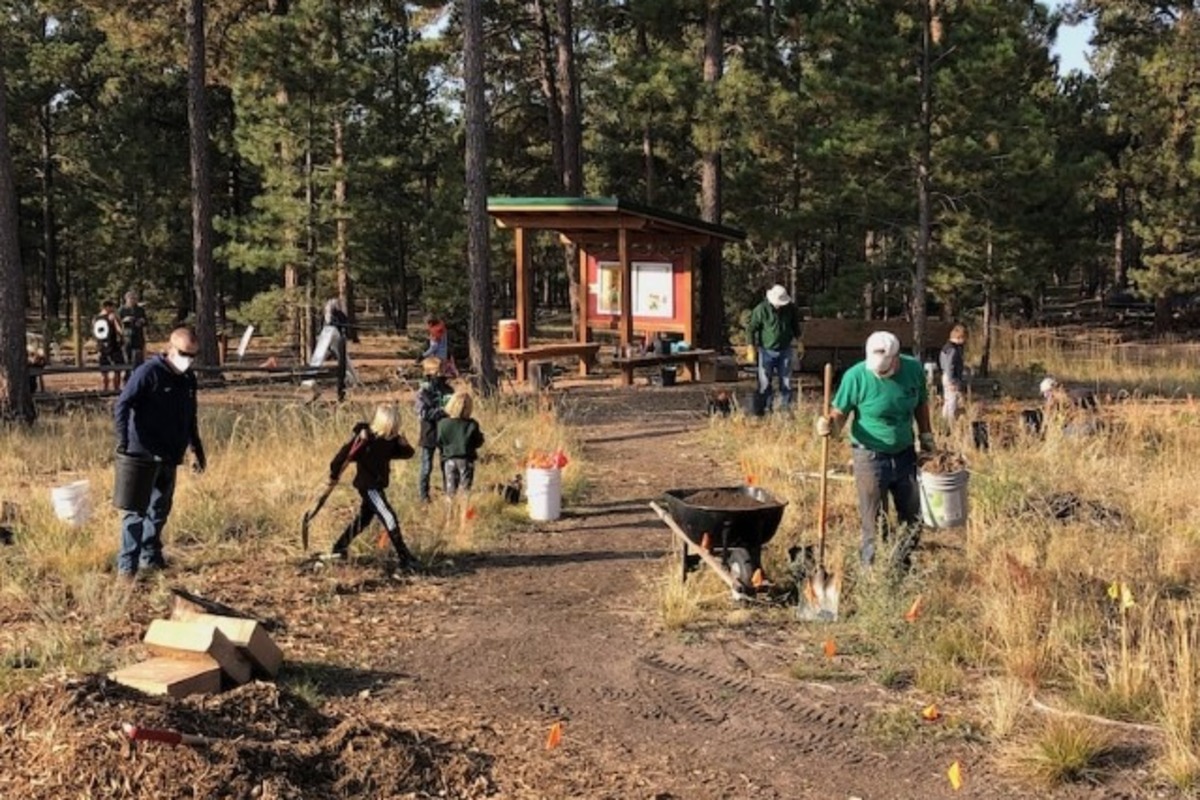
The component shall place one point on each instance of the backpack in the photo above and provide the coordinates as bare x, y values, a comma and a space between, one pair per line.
104, 331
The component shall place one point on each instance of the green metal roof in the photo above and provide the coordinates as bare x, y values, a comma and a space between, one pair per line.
568, 207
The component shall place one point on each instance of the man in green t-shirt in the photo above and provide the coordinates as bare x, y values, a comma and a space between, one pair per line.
774, 324
886, 394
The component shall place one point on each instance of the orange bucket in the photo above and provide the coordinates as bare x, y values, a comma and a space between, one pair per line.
510, 334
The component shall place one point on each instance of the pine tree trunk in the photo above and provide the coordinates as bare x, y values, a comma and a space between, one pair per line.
1120, 274
712, 323
202, 261
924, 159
345, 282
572, 132
16, 400
51, 291
482, 358
549, 87
643, 46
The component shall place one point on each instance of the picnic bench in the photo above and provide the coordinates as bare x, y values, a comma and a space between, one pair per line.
586, 351
690, 359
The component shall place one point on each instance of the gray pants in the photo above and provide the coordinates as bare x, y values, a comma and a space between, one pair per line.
876, 475
457, 473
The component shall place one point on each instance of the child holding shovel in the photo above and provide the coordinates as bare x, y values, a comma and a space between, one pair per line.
373, 448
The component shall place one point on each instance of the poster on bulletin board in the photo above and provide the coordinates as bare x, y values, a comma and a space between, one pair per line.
653, 289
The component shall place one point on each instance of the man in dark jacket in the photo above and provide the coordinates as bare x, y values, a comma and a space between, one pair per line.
432, 396
155, 417
774, 325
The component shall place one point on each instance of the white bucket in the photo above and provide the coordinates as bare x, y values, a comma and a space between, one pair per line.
72, 502
943, 498
543, 493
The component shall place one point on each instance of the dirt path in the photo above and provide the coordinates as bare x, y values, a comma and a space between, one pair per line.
561, 625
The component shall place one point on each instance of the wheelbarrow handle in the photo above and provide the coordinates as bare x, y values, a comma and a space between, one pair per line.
708, 557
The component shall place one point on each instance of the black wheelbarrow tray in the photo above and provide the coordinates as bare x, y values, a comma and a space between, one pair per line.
726, 527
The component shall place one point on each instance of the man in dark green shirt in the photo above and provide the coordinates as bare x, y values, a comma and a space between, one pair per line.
774, 325
886, 393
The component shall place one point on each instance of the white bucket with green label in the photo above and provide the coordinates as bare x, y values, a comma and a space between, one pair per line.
943, 498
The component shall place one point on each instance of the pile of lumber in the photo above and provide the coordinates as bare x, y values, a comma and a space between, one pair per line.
196, 652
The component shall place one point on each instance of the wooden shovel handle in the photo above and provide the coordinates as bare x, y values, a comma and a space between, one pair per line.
821, 511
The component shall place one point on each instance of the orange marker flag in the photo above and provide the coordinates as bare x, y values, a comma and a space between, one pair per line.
382, 542
706, 541
749, 480
471, 513
914, 611
555, 737
930, 713
830, 648
955, 776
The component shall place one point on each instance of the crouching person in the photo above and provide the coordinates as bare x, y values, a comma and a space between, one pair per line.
372, 449
459, 439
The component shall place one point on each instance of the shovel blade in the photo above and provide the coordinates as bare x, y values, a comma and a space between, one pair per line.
819, 599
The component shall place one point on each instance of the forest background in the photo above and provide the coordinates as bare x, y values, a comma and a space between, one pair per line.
885, 158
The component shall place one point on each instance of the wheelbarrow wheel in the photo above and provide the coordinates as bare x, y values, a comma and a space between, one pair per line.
741, 567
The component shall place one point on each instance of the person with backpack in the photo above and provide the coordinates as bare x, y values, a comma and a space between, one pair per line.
106, 330
432, 396
951, 363
372, 448
458, 440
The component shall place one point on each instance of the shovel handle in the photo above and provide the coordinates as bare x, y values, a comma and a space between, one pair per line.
824, 491
140, 734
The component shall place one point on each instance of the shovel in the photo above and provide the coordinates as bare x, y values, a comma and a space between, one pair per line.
359, 441
819, 598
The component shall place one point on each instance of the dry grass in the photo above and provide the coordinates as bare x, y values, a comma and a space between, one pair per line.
1023, 596
266, 464
1063, 751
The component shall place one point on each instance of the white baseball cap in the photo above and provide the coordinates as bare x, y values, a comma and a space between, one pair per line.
1047, 385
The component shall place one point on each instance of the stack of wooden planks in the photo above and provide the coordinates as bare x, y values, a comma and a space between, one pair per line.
196, 652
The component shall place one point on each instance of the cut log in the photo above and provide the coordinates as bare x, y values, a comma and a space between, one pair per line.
247, 635
181, 639
172, 677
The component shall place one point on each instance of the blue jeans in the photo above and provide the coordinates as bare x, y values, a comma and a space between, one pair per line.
774, 362
426, 471
141, 535
876, 475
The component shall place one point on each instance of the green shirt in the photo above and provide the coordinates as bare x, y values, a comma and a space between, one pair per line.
883, 407
773, 328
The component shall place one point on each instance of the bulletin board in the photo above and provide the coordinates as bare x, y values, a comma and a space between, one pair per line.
659, 284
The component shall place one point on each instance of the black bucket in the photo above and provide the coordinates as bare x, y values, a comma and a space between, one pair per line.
668, 376
134, 482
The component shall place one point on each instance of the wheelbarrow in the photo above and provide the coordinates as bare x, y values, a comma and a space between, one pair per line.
726, 527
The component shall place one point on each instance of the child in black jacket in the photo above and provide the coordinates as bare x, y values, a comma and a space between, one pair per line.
432, 395
373, 448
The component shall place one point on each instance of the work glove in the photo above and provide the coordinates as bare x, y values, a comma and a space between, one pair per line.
823, 426
926, 440
361, 428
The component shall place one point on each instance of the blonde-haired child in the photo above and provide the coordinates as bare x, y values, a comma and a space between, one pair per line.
459, 439
373, 447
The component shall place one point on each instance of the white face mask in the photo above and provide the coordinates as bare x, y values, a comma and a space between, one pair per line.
180, 363
881, 364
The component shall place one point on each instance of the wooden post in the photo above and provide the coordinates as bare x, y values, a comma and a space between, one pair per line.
585, 331
523, 315
626, 297
77, 327
686, 301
